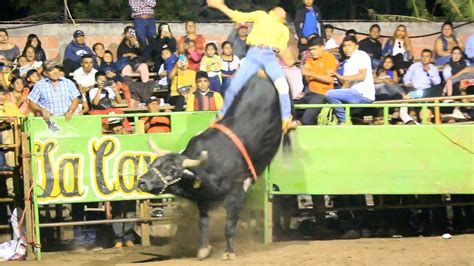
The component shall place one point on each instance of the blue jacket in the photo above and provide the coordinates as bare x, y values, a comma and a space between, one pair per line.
75, 51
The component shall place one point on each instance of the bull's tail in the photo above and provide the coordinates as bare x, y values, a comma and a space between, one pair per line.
286, 143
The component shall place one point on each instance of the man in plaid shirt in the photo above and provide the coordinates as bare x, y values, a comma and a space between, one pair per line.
54, 95
143, 20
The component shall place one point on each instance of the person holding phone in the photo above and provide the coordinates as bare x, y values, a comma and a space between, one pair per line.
183, 82
130, 55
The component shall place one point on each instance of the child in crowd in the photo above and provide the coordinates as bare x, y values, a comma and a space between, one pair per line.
230, 64
113, 73
169, 60
204, 99
22, 65
18, 95
212, 64
386, 80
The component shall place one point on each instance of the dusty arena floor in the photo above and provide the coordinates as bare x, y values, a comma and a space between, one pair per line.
390, 251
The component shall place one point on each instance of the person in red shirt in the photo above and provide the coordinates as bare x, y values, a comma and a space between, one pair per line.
192, 36
156, 124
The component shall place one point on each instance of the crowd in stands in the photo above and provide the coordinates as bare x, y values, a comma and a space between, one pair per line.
154, 68
352, 72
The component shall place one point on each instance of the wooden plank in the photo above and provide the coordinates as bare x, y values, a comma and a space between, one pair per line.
145, 226
26, 188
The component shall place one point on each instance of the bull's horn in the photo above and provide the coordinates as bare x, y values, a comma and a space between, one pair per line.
156, 148
189, 163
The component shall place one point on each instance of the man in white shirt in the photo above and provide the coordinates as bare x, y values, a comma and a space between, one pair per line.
357, 81
85, 75
424, 77
331, 45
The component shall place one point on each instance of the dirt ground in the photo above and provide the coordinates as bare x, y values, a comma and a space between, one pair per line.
375, 251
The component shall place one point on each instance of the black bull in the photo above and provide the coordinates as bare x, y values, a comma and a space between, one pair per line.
211, 168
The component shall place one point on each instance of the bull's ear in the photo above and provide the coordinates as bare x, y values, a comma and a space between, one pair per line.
156, 148
189, 163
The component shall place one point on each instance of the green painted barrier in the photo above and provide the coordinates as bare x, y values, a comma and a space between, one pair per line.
80, 164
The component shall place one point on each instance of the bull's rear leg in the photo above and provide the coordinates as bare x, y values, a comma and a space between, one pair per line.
204, 247
234, 204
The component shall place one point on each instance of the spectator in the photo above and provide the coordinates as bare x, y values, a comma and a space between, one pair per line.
357, 79
112, 72
446, 41
191, 35
238, 38
85, 75
400, 48
331, 45
22, 65
54, 95
456, 70
424, 77
104, 94
123, 232
266, 46
183, 82
31, 63
204, 99
34, 41
99, 50
386, 81
194, 56
470, 48
156, 124
74, 52
103, 97
315, 72
212, 64
163, 40
342, 55
32, 77
372, 46
19, 95
7, 73
10, 109
170, 60
308, 21
130, 56
143, 20
8, 51
230, 64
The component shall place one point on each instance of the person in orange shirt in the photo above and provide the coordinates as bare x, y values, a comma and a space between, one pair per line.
156, 124
316, 72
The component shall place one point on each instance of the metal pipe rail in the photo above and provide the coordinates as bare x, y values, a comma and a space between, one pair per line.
128, 220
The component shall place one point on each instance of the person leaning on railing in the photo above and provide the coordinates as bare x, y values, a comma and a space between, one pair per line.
54, 95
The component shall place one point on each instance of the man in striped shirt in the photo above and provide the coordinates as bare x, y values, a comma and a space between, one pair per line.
143, 15
54, 95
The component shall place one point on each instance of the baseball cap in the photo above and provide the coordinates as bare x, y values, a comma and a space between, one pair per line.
50, 65
152, 99
78, 33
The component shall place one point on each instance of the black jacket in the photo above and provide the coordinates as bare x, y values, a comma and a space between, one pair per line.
300, 19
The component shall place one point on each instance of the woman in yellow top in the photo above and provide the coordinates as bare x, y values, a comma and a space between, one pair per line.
265, 45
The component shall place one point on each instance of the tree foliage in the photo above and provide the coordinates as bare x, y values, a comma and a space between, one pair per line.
174, 10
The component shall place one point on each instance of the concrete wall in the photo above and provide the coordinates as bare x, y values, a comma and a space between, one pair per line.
55, 37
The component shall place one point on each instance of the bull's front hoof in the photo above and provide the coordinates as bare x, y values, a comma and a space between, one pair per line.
228, 256
204, 253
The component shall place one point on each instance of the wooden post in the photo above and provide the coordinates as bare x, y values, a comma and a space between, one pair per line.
27, 183
145, 226
437, 113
